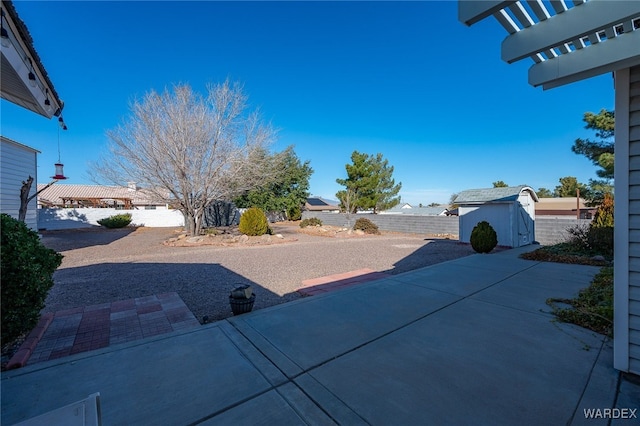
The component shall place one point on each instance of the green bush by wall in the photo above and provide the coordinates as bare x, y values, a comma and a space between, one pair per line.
116, 221
483, 237
26, 275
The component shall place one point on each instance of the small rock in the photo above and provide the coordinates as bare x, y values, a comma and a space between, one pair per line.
243, 238
359, 232
194, 239
279, 236
181, 236
266, 238
598, 258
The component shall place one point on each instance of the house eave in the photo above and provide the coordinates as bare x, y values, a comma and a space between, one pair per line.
18, 60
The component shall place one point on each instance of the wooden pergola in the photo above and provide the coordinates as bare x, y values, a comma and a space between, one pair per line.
570, 41
96, 202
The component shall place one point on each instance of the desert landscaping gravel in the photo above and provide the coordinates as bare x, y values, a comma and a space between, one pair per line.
101, 265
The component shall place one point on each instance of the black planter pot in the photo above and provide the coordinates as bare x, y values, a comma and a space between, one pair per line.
242, 306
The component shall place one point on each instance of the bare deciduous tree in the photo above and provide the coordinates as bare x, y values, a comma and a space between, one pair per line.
189, 150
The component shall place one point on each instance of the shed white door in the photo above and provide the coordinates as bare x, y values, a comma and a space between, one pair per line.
525, 227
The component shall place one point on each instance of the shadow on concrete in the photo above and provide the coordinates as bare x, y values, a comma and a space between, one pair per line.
72, 239
429, 254
204, 287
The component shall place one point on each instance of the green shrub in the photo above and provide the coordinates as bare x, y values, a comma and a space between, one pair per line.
253, 222
366, 225
294, 213
116, 221
600, 240
312, 221
483, 237
26, 275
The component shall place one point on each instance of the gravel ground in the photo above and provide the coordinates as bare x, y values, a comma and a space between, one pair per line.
107, 265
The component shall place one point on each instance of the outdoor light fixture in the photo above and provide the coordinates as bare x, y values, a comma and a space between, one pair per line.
47, 102
4, 34
32, 76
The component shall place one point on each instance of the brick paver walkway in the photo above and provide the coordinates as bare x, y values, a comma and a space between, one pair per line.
335, 282
94, 327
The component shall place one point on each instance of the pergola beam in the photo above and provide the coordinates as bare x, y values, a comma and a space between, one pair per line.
577, 22
614, 54
472, 11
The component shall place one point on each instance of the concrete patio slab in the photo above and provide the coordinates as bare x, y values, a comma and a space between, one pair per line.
446, 278
329, 325
529, 290
286, 405
177, 379
384, 352
436, 369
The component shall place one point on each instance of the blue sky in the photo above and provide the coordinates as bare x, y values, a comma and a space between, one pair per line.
405, 79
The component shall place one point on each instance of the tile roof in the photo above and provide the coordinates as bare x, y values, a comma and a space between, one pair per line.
486, 195
57, 192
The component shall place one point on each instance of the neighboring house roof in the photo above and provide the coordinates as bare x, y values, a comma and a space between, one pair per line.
58, 193
18, 60
320, 204
560, 203
493, 195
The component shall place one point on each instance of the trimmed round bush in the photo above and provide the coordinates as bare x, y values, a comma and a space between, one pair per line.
116, 221
253, 222
483, 237
312, 221
27, 276
364, 224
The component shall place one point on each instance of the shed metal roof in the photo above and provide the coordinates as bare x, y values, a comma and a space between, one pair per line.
493, 195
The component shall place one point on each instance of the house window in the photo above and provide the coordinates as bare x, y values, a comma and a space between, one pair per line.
149, 207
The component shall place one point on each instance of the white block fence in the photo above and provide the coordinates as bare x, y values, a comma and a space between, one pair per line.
58, 218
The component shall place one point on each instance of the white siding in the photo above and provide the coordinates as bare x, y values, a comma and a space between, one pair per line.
17, 162
499, 216
634, 220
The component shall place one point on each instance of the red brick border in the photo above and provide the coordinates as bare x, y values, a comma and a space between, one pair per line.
20, 358
335, 282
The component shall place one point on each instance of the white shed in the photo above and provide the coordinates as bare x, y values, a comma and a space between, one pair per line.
17, 162
510, 211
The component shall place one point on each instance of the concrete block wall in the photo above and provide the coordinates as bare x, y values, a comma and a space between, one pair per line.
395, 223
553, 230
549, 230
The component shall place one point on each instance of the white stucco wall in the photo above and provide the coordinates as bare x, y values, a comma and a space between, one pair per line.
58, 218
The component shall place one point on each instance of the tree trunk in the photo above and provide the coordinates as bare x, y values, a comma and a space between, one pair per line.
24, 198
